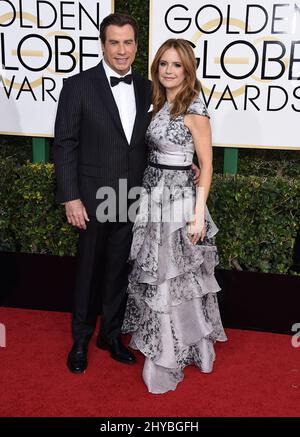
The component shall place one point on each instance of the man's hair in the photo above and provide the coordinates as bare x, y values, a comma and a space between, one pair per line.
118, 20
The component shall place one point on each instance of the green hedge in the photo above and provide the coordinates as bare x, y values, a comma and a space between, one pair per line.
7, 177
258, 217
31, 221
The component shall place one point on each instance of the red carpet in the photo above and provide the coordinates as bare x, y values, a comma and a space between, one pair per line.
255, 374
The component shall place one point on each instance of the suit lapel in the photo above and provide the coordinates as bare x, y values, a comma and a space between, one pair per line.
140, 106
108, 98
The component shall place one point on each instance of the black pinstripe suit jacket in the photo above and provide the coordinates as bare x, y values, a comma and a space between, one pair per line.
90, 148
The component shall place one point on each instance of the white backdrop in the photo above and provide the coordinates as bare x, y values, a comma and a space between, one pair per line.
249, 65
42, 42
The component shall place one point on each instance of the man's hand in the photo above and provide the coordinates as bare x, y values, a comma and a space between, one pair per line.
76, 213
197, 173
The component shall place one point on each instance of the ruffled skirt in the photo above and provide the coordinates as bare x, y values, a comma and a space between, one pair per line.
172, 311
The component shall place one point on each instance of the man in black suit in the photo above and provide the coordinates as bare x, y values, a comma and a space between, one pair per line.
100, 130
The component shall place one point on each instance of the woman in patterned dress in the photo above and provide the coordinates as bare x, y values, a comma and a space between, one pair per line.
172, 311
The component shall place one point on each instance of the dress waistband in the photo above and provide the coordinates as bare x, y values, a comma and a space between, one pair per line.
170, 167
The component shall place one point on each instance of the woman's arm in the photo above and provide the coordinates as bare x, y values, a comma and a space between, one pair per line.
199, 127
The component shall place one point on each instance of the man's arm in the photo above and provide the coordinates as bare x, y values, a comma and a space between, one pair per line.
65, 154
66, 142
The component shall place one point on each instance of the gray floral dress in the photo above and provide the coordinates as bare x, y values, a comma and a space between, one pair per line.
172, 311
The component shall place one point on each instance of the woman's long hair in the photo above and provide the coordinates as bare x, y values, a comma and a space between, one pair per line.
191, 85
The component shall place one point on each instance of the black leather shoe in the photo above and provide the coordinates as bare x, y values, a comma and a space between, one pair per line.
117, 350
77, 358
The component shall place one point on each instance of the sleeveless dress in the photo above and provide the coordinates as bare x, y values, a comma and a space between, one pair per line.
172, 311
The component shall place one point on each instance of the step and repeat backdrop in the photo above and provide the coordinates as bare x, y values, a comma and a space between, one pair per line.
248, 57
42, 42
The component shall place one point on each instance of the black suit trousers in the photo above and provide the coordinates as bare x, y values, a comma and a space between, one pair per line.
102, 277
